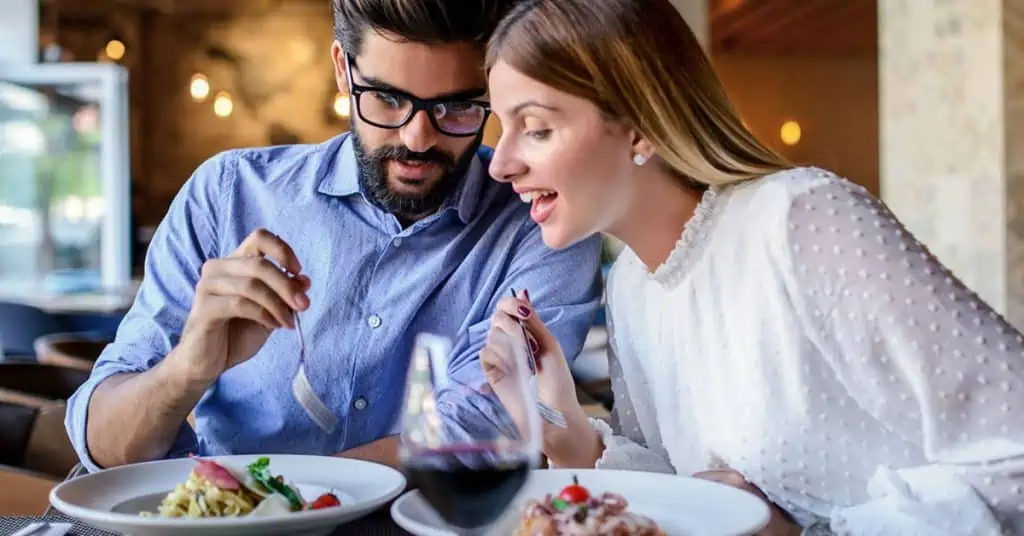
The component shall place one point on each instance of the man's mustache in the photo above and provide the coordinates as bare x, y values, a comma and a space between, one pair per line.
403, 154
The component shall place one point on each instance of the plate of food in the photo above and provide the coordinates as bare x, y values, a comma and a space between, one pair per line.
229, 495
607, 503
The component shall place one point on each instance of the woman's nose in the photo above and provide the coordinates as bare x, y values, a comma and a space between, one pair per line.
505, 166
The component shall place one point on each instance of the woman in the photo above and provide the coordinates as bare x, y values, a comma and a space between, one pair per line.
772, 327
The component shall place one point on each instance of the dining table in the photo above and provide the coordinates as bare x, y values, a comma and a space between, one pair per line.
378, 523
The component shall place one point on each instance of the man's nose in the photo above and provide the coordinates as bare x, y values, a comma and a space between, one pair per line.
419, 134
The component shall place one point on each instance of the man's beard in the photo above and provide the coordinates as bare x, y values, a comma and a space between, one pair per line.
373, 177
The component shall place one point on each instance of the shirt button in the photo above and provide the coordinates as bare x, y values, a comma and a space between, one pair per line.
374, 321
397, 242
360, 403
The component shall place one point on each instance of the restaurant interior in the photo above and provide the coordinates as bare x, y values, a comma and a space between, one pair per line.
107, 106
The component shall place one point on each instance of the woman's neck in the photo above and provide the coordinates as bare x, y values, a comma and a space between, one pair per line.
654, 223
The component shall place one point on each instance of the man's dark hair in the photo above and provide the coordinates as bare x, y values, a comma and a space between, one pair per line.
429, 22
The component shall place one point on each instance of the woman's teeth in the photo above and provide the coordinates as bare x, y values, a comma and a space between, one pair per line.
528, 197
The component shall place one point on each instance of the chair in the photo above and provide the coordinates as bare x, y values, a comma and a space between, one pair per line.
36, 384
73, 350
20, 326
32, 410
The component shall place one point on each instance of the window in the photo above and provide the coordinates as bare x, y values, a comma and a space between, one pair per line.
64, 178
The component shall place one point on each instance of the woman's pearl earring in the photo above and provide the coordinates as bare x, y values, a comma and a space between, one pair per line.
639, 159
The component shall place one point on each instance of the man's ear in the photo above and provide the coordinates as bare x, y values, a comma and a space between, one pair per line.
340, 67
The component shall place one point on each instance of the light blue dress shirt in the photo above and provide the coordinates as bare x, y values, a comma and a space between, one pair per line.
374, 286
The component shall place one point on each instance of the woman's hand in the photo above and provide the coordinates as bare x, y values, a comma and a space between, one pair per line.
555, 385
779, 524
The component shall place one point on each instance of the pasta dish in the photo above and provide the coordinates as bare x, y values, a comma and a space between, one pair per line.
576, 512
212, 490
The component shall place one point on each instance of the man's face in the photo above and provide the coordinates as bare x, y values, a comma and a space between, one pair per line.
411, 170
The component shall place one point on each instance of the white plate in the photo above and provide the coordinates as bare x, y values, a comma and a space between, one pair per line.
111, 499
681, 506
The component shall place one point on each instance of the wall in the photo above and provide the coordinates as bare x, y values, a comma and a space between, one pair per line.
276, 67
834, 99
19, 31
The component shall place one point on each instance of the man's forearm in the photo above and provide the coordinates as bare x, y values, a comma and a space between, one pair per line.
136, 417
383, 451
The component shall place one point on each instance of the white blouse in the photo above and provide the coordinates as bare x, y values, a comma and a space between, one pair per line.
800, 335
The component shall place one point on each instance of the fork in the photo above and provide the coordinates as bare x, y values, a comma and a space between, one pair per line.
547, 413
304, 393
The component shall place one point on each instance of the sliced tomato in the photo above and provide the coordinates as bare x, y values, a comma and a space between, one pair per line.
327, 500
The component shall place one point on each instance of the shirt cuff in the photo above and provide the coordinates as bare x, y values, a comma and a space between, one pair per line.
622, 453
921, 501
78, 411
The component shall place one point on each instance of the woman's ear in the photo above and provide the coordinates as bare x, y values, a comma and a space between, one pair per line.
642, 149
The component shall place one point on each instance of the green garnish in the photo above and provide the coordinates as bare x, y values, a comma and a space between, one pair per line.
260, 471
559, 504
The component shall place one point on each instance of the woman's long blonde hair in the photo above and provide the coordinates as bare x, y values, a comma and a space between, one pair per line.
639, 61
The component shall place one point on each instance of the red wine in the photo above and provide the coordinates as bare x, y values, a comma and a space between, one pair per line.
470, 488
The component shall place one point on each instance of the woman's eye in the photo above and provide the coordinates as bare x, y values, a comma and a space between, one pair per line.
539, 134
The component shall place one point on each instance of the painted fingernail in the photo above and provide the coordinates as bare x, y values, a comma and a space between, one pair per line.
533, 346
526, 294
524, 311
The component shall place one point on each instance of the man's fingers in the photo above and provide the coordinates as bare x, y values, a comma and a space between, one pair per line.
289, 289
263, 243
257, 291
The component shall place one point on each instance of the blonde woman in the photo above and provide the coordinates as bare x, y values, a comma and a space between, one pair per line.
773, 327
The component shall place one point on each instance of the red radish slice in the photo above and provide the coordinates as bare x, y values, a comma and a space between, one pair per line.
217, 475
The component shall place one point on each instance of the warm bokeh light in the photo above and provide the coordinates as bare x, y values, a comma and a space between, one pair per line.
115, 49
342, 105
790, 133
199, 88
222, 105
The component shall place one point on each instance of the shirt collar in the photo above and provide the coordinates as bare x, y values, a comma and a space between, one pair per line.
340, 178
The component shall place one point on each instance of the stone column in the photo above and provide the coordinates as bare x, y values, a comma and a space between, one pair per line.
696, 14
951, 82
19, 31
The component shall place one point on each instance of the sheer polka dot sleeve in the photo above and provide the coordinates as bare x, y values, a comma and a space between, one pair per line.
922, 354
626, 446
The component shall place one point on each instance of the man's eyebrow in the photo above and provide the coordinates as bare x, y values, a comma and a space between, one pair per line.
464, 94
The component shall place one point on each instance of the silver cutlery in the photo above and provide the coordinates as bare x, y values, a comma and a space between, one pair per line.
547, 413
304, 393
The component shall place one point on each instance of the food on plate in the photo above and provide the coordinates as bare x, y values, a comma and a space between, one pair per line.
577, 512
213, 490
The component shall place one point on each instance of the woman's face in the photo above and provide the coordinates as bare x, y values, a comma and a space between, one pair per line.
562, 155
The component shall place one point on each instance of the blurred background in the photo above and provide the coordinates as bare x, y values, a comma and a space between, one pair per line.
107, 106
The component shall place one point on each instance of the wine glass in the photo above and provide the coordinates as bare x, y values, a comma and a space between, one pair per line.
469, 448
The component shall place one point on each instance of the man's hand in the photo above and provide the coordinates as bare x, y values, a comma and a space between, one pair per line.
779, 524
239, 301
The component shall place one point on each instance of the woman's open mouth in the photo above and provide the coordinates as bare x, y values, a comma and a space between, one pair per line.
542, 203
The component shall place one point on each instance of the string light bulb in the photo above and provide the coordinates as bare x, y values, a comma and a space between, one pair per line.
790, 133
199, 87
115, 49
342, 105
222, 104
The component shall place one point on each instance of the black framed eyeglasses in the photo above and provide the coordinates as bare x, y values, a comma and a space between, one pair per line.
392, 108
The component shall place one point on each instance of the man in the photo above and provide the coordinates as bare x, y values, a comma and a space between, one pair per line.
370, 238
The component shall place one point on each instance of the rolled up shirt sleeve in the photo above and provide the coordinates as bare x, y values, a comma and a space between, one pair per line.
183, 241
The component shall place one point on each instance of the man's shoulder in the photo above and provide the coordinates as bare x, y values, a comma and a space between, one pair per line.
267, 162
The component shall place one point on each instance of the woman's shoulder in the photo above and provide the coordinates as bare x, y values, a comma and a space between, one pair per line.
780, 195
791, 184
